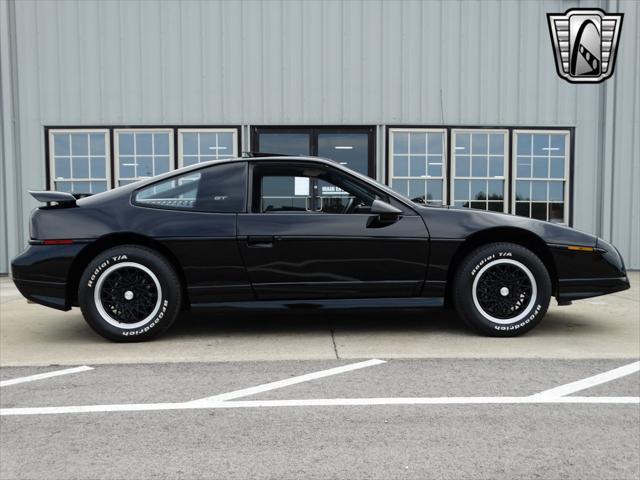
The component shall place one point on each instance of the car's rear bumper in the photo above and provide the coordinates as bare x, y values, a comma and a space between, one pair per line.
579, 288
49, 294
41, 274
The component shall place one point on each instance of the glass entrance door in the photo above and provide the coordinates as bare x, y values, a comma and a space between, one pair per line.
352, 147
283, 142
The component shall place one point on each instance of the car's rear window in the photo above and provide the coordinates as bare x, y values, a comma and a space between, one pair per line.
215, 189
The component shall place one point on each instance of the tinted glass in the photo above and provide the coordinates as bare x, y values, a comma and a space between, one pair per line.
349, 149
280, 188
223, 188
285, 143
216, 189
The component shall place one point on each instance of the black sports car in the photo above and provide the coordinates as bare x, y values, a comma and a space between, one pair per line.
297, 231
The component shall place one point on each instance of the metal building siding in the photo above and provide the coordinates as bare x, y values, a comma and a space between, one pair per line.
372, 62
621, 190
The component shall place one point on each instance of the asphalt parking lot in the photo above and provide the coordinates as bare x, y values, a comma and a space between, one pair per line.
386, 394
325, 419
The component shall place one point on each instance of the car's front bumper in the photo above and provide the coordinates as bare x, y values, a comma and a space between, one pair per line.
579, 288
589, 274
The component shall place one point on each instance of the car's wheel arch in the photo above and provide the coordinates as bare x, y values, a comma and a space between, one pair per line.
519, 236
111, 240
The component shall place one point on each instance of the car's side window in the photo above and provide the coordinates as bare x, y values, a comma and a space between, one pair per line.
309, 189
215, 189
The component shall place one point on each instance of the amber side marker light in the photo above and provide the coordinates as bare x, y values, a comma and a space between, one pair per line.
57, 242
576, 248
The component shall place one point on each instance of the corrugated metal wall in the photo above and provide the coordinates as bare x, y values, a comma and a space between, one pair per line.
314, 62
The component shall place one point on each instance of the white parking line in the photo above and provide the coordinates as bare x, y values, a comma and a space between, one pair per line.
589, 382
41, 376
316, 402
287, 382
552, 396
343, 402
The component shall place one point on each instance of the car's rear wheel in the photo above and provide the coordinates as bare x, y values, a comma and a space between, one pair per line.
129, 294
502, 290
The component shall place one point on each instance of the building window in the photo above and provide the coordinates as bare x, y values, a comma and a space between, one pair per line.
541, 171
78, 160
202, 145
479, 165
418, 164
142, 153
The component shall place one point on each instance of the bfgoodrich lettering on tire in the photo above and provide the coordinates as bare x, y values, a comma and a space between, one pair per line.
501, 289
129, 294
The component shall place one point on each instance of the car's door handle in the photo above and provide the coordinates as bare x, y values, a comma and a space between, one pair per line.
260, 242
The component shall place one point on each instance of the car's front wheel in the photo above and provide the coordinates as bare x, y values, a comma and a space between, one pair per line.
502, 290
129, 294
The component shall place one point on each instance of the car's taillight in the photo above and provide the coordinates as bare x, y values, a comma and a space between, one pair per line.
57, 242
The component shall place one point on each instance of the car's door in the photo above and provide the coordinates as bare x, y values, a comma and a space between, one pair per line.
309, 233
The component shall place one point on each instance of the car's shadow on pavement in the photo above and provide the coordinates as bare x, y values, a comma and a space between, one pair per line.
407, 320
310, 320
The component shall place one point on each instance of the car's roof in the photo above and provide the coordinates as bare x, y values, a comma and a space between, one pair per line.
280, 157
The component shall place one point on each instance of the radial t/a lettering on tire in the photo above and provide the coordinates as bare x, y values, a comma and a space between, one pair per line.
129, 294
501, 289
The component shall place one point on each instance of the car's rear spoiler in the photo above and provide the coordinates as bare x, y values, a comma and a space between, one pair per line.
61, 199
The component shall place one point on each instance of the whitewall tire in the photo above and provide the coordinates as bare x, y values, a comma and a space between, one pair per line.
501, 289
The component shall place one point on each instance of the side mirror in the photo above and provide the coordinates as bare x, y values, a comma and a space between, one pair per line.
386, 213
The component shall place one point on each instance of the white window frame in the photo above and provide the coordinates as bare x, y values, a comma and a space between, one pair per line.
181, 131
445, 158
116, 149
69, 131
505, 169
567, 169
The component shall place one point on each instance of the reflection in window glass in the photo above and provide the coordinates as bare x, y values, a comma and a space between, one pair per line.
142, 154
293, 144
285, 193
479, 170
346, 148
216, 189
295, 189
417, 166
79, 161
540, 181
199, 146
304, 194
177, 192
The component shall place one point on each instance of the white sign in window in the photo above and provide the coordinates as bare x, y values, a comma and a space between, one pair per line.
301, 186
